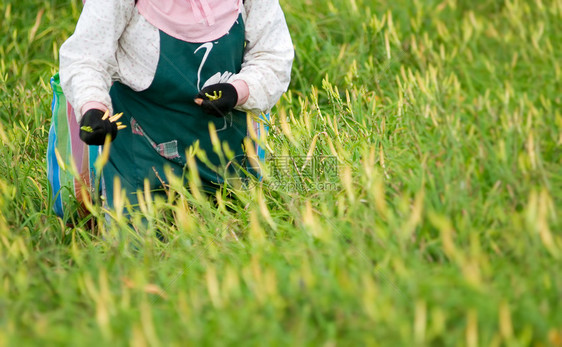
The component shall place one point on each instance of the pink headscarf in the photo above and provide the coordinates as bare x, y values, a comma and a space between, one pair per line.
191, 20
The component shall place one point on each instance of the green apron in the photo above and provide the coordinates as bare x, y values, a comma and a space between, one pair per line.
163, 121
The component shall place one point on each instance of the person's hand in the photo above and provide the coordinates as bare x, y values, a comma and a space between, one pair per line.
95, 125
217, 99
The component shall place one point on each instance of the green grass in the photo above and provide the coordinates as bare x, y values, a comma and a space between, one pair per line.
444, 228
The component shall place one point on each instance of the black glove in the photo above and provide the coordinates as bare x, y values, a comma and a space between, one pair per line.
217, 99
93, 129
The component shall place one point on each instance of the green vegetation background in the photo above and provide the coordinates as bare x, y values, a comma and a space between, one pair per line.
444, 228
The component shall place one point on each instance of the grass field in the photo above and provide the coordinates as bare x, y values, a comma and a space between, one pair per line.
441, 227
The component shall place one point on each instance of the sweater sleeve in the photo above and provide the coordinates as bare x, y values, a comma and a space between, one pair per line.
268, 58
88, 63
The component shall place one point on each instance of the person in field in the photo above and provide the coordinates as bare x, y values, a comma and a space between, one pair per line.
172, 67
